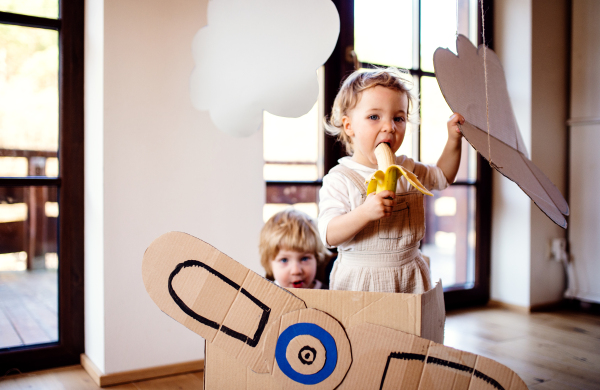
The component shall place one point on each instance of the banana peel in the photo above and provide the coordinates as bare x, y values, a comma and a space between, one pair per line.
386, 177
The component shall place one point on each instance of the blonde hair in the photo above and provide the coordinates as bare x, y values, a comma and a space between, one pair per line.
350, 92
292, 230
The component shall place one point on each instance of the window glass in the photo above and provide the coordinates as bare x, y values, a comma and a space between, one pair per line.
291, 139
28, 147
434, 131
383, 32
311, 209
468, 163
434, 118
290, 172
438, 29
280, 196
407, 145
28, 101
28, 265
42, 8
291, 147
450, 235
13, 166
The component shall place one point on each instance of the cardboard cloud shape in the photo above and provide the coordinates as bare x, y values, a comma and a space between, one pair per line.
462, 81
261, 336
257, 55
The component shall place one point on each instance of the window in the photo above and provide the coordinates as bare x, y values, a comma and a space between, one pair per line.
41, 183
405, 35
293, 153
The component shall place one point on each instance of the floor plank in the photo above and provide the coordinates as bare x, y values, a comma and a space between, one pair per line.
28, 305
75, 378
179, 382
25, 324
8, 334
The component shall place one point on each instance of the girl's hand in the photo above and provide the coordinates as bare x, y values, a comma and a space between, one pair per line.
378, 206
453, 128
450, 159
345, 226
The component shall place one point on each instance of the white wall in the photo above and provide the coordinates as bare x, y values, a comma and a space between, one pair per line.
531, 39
585, 159
549, 141
153, 165
93, 176
511, 225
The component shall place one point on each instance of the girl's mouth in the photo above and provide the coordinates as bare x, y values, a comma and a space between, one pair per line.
297, 284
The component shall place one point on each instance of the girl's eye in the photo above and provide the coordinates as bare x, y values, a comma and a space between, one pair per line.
305, 258
374, 117
284, 260
400, 119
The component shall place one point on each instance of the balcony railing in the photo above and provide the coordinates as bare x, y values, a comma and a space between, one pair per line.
28, 209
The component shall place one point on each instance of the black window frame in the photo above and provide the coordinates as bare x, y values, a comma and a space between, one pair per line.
67, 351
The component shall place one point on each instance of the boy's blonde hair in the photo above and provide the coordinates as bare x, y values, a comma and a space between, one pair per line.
351, 89
292, 230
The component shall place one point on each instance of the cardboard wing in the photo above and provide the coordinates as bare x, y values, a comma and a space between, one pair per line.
261, 336
214, 296
384, 358
462, 80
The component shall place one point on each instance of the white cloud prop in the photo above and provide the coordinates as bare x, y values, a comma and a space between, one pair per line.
257, 55
462, 81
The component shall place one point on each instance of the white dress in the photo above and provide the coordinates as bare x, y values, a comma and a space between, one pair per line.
385, 255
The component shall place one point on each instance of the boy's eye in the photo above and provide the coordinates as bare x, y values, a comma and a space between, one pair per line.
374, 117
399, 119
284, 260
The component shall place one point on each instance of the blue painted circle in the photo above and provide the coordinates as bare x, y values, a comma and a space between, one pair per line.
305, 328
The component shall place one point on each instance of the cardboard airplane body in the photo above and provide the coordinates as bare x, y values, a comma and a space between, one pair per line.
261, 336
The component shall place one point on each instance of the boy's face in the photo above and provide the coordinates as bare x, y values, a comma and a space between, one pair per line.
294, 269
379, 116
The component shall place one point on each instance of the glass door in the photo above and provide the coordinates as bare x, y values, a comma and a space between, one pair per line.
41, 184
29, 150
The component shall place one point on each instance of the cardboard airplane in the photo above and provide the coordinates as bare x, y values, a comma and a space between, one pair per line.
261, 336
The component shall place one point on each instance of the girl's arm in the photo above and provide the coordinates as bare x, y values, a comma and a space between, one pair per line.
343, 227
450, 159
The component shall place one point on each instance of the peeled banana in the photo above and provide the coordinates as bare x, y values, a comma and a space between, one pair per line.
381, 181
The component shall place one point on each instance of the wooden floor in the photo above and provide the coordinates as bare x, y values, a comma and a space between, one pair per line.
28, 307
75, 378
554, 350
550, 351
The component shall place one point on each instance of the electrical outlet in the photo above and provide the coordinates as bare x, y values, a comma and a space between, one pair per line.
558, 249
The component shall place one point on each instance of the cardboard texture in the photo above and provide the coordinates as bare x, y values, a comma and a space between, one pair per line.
462, 80
214, 296
261, 336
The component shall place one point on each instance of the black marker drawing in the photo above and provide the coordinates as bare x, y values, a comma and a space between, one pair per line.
174, 257
203, 320
307, 355
440, 362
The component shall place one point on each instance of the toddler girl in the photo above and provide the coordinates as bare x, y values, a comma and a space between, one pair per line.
291, 250
378, 235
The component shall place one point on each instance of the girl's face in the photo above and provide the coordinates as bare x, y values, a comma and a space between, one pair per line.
294, 269
379, 116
